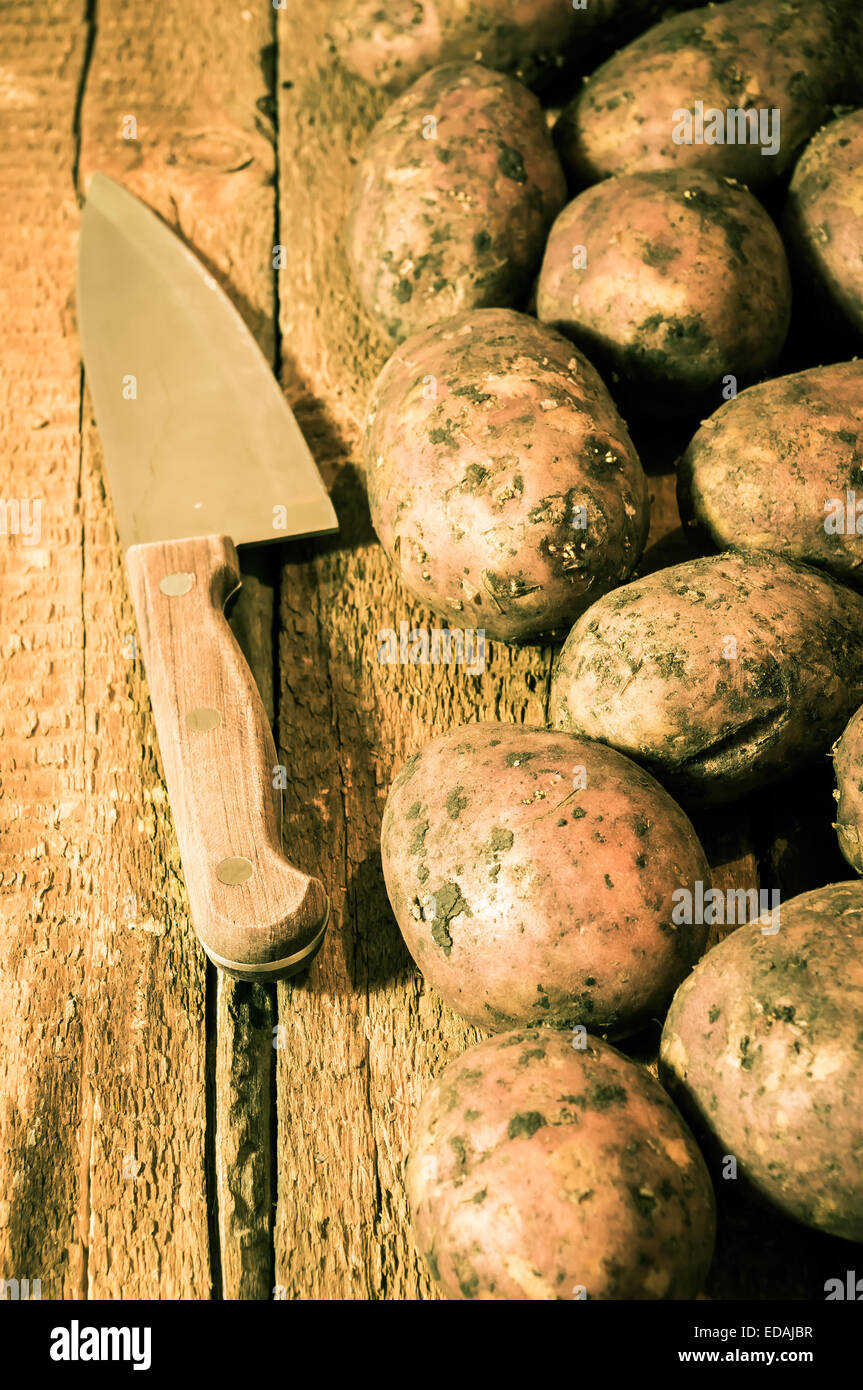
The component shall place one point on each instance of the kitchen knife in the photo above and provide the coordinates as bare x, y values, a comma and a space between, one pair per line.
202, 453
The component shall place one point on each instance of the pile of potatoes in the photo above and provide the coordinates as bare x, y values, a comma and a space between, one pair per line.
557, 282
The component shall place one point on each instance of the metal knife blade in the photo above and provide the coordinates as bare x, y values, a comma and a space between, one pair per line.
197, 436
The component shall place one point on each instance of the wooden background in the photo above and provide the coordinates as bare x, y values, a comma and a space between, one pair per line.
165, 1133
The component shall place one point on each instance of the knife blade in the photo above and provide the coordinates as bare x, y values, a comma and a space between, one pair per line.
202, 453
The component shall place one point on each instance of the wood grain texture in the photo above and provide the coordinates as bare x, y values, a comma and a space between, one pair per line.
46, 808
255, 914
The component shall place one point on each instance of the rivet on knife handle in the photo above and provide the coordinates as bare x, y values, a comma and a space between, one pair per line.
256, 915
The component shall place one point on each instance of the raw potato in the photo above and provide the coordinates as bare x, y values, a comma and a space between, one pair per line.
501, 479
532, 873
538, 1171
848, 767
763, 1048
824, 216
671, 283
720, 675
773, 469
391, 45
794, 56
452, 199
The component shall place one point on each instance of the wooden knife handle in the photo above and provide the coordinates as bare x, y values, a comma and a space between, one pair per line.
256, 915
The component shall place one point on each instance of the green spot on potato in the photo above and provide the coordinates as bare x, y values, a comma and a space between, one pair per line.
474, 478
501, 840
459, 1148
474, 395
417, 844
603, 1096
783, 1012
455, 803
448, 903
525, 1124
443, 434
532, 1052
659, 254
511, 163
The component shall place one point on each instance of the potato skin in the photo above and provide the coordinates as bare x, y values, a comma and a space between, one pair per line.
686, 282
796, 56
824, 216
439, 225
533, 39
762, 469
763, 1048
391, 48
524, 899
645, 670
538, 1172
848, 768
483, 435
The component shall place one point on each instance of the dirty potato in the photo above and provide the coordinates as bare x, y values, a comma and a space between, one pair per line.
532, 875
672, 283
720, 675
774, 468
452, 199
824, 217
538, 1171
501, 479
770, 70
392, 46
848, 768
762, 1050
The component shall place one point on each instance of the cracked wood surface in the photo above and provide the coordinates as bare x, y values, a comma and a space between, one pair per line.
164, 1133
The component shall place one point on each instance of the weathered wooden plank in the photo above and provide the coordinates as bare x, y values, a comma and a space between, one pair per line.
243, 1139
175, 108
46, 808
